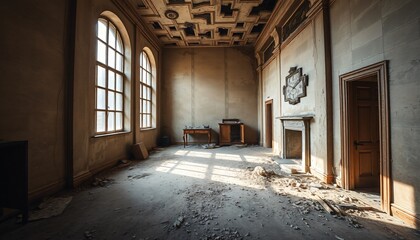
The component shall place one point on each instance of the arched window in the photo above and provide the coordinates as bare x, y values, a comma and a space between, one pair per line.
146, 91
109, 85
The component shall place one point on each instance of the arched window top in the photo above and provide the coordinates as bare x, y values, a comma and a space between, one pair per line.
111, 78
145, 61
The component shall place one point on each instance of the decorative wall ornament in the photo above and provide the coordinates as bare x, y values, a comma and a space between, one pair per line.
295, 87
171, 14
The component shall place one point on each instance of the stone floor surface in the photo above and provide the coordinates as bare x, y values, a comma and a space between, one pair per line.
235, 192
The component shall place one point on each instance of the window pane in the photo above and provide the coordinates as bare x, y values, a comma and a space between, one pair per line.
119, 63
111, 58
119, 102
111, 80
100, 99
101, 81
101, 52
148, 68
148, 121
119, 83
111, 36
144, 123
102, 29
111, 101
118, 121
111, 121
149, 107
143, 59
100, 121
119, 44
149, 94
149, 79
144, 92
143, 107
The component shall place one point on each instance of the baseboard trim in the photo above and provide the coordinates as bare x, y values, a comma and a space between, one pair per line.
406, 216
46, 190
322, 176
81, 178
84, 176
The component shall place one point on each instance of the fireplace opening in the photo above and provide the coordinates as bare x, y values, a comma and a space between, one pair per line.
293, 144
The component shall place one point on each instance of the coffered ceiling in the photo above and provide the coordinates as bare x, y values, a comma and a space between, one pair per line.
178, 23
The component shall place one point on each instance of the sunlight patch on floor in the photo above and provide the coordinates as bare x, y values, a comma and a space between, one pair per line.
229, 157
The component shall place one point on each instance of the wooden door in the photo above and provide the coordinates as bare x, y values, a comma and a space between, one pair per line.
242, 133
269, 124
364, 134
224, 134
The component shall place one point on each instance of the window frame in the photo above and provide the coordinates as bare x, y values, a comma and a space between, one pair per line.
118, 91
146, 86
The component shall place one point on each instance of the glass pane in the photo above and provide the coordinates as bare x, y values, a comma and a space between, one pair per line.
149, 79
119, 83
100, 99
100, 121
102, 29
144, 92
111, 121
149, 107
119, 43
143, 107
111, 58
119, 102
142, 60
111, 80
144, 121
118, 121
101, 77
111, 101
148, 121
111, 37
144, 76
149, 94
101, 52
119, 65
148, 68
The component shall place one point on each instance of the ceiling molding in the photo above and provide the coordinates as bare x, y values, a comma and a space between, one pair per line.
194, 23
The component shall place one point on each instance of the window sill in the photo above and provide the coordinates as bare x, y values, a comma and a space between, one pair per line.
110, 134
147, 129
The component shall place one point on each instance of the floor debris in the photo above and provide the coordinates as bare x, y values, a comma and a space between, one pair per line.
49, 208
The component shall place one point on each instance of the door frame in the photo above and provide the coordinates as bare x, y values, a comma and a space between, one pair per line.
268, 104
380, 71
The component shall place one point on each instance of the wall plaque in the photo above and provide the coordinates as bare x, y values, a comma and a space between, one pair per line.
295, 87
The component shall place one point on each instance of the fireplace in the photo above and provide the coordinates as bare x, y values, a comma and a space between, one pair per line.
296, 139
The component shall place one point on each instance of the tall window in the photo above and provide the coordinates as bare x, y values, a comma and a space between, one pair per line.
109, 78
145, 91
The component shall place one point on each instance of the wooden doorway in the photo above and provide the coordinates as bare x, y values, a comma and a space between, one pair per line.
364, 133
364, 118
269, 124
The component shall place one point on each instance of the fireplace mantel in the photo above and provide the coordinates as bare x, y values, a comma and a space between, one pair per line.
298, 123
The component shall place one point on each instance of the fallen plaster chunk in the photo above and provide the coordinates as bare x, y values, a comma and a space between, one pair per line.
49, 208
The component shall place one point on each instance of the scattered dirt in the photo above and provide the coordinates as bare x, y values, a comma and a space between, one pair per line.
221, 193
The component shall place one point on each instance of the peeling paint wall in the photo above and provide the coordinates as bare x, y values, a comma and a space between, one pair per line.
203, 86
32, 86
366, 32
306, 51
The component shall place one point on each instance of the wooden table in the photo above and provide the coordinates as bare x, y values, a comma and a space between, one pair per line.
188, 131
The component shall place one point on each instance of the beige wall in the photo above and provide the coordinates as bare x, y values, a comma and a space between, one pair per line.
91, 152
366, 32
306, 51
32, 86
35, 66
204, 85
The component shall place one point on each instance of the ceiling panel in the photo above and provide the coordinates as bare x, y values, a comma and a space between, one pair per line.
180, 23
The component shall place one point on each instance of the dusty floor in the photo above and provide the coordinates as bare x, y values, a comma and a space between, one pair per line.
196, 193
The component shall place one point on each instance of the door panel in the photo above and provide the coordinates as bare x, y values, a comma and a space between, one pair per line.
364, 134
